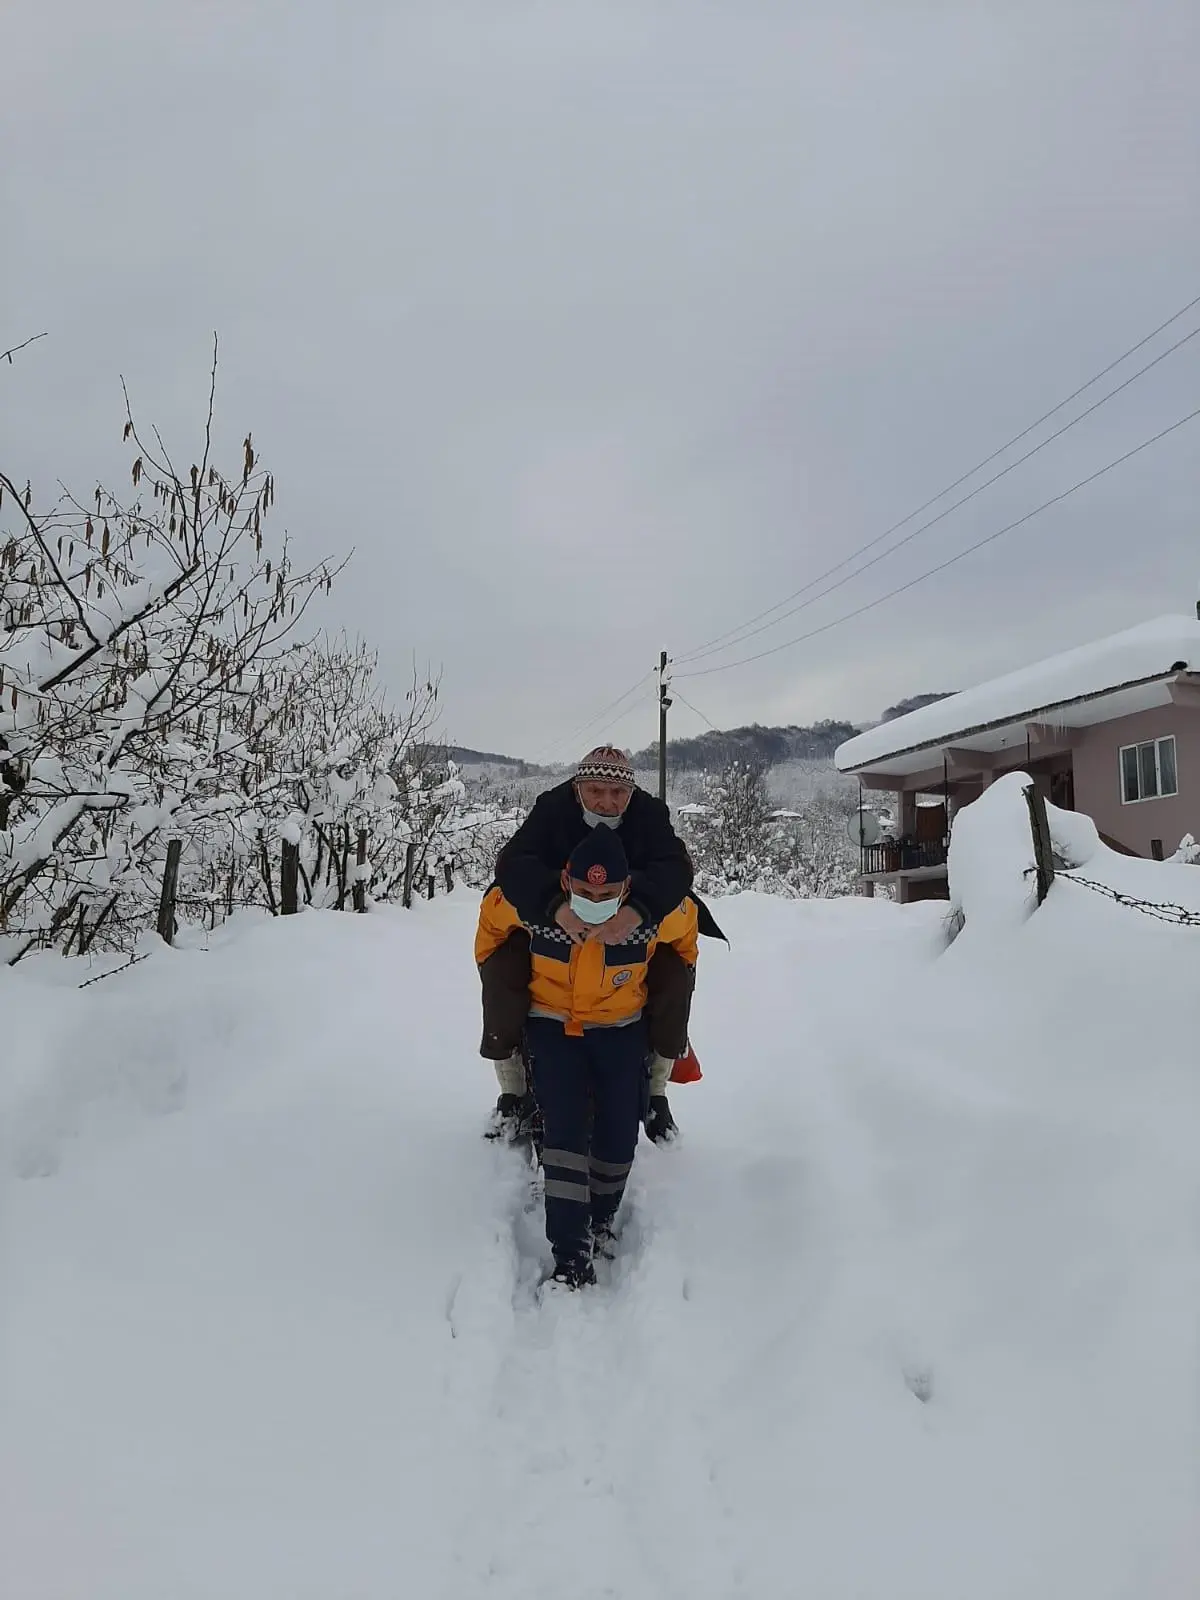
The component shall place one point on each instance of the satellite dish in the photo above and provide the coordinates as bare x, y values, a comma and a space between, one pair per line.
862, 828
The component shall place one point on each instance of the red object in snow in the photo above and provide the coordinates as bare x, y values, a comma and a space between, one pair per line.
687, 1068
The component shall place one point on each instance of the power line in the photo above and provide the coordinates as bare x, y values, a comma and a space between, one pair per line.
680, 696
628, 711
577, 733
611, 712
746, 632
710, 645
703, 672
941, 516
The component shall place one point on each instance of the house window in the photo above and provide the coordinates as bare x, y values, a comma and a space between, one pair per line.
1148, 770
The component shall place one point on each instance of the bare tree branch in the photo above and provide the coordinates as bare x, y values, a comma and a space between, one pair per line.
7, 355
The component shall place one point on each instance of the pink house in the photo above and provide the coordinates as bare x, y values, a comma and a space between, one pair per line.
1111, 728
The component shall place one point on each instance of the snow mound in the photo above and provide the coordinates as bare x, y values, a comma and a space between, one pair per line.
991, 856
992, 872
991, 861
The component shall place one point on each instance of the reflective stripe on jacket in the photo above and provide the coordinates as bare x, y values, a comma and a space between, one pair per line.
588, 985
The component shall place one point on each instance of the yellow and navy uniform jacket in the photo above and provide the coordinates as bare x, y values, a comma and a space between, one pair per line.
593, 985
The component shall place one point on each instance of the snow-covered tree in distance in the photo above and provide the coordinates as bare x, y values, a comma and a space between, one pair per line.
317, 755
739, 840
811, 851
730, 836
152, 686
128, 632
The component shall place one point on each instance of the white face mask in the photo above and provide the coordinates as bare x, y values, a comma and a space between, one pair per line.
595, 820
594, 911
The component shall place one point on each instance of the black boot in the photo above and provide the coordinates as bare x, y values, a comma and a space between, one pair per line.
660, 1125
574, 1273
604, 1241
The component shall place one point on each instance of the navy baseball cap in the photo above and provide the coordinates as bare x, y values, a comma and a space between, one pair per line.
599, 859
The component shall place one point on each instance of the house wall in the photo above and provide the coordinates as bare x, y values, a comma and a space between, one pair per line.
1098, 779
914, 889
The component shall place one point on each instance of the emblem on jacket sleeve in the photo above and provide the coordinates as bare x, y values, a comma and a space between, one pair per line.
621, 977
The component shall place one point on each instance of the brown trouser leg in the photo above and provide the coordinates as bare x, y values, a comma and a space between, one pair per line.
669, 983
505, 977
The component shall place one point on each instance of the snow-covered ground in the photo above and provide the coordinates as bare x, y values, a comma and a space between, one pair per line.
912, 1312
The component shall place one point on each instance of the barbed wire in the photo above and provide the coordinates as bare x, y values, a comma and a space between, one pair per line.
1161, 910
100, 976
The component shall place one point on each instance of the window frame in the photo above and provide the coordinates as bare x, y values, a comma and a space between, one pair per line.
1137, 747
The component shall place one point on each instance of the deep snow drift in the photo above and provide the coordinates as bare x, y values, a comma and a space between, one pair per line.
911, 1312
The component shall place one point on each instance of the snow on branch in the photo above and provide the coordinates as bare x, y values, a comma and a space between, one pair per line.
129, 630
155, 685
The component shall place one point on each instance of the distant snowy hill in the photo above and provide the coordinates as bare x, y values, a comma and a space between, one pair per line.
466, 757
914, 702
773, 745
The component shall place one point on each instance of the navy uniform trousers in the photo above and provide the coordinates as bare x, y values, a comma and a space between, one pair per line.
595, 1083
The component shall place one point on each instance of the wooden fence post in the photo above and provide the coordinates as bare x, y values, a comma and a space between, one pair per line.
448, 869
1043, 847
410, 862
1156, 850
166, 901
345, 872
289, 879
360, 883
430, 887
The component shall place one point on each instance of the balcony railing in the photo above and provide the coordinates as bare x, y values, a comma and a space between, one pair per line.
903, 855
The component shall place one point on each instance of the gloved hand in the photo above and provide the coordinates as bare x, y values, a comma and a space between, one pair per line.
513, 1118
660, 1124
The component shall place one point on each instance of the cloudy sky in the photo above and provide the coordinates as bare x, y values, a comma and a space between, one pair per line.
600, 326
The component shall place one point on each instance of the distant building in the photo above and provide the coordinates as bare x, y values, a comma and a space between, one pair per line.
1111, 729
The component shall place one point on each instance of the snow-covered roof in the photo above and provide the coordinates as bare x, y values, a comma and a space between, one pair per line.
1115, 676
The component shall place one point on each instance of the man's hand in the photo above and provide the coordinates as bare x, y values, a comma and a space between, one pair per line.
572, 925
618, 928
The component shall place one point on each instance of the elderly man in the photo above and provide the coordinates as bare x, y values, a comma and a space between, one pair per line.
601, 794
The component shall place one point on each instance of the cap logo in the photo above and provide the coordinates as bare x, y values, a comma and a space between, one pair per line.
597, 875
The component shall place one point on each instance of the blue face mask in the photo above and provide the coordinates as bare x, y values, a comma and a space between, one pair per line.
595, 820
594, 911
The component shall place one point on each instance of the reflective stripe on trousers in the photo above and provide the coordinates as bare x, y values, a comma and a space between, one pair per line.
598, 1080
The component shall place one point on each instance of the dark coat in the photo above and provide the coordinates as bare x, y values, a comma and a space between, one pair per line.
529, 867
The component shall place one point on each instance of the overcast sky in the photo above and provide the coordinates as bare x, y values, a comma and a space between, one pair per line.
599, 327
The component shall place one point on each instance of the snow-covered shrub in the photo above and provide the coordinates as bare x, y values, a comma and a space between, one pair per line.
739, 840
131, 635
320, 758
153, 687
728, 833
811, 849
477, 841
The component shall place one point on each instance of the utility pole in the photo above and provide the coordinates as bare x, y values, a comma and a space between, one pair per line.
664, 703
